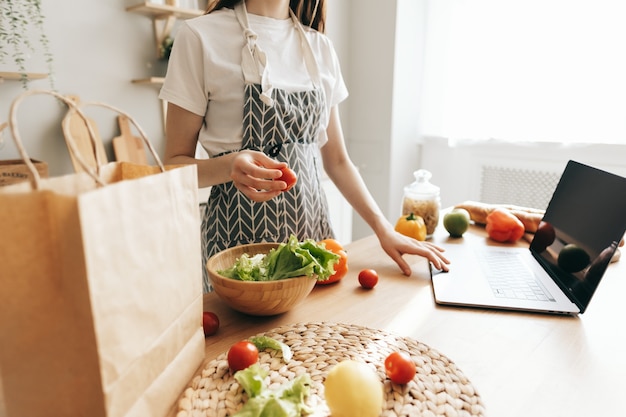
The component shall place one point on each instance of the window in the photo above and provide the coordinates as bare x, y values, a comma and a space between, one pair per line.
526, 70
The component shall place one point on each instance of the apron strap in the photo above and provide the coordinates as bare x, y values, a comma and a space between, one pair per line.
309, 57
254, 61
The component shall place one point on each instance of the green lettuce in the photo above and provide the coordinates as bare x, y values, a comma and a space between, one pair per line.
266, 342
284, 401
288, 260
247, 268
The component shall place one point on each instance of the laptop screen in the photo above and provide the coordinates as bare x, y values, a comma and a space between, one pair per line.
581, 228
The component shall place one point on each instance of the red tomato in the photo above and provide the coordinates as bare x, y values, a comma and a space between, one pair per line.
341, 267
368, 278
210, 323
400, 368
503, 226
289, 176
241, 355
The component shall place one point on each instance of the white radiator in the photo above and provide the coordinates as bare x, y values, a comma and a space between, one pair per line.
504, 173
523, 187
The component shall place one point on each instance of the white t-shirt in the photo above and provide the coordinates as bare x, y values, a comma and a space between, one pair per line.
204, 73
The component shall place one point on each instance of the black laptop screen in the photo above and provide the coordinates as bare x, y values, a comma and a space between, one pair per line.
582, 226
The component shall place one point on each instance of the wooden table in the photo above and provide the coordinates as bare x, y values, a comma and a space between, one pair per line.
522, 364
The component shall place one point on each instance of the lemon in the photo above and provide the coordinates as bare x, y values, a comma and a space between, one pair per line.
353, 389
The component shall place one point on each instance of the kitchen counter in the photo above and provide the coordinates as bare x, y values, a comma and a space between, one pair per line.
522, 364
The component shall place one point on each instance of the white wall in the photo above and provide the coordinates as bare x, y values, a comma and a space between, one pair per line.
370, 81
407, 86
384, 78
98, 49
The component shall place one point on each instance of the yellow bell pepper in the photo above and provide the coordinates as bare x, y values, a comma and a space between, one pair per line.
412, 226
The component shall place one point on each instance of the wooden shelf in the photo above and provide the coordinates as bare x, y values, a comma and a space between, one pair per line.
17, 76
162, 11
163, 16
158, 81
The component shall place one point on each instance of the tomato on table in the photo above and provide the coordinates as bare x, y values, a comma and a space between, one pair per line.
241, 355
210, 323
400, 368
341, 267
368, 278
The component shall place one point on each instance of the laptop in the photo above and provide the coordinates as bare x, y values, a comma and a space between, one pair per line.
568, 255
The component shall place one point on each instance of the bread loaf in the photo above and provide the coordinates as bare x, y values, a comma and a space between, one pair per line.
530, 217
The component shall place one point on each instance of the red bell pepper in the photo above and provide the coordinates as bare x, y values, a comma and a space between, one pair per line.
503, 226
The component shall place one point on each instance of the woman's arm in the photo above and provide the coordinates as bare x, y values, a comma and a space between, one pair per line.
252, 172
344, 174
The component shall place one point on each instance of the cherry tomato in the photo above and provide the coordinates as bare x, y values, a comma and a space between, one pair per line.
241, 355
368, 278
341, 267
210, 323
400, 368
289, 176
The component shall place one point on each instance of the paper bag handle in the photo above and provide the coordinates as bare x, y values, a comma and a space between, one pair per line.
141, 132
35, 177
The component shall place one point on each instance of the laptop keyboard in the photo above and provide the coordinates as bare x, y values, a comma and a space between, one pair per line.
510, 278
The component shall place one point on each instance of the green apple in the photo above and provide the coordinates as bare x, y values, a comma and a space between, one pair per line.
456, 222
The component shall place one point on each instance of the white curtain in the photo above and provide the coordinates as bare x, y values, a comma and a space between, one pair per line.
526, 70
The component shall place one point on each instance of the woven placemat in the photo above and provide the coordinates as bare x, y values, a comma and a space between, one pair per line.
438, 389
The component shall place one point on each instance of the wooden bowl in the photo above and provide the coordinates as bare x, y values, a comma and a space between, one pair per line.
258, 298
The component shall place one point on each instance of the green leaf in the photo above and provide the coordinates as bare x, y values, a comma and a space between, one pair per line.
247, 268
324, 259
252, 379
285, 401
289, 259
266, 342
286, 261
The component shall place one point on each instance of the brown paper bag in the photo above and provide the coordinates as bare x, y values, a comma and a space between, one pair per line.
15, 170
100, 291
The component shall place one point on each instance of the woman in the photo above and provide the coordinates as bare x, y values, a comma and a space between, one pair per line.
257, 84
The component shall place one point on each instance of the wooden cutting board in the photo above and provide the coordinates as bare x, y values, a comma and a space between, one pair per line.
128, 148
75, 129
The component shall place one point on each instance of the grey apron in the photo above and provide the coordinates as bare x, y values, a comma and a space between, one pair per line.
285, 126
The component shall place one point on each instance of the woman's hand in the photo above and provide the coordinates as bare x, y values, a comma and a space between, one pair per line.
396, 245
346, 177
253, 173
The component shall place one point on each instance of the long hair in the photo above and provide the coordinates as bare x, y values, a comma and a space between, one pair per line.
311, 13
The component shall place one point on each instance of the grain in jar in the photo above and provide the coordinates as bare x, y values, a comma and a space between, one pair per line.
422, 198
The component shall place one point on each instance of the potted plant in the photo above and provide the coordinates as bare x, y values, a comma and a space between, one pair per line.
19, 20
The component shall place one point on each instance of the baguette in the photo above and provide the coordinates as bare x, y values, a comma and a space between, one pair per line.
530, 217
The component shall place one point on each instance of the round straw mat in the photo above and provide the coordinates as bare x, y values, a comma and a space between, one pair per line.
438, 389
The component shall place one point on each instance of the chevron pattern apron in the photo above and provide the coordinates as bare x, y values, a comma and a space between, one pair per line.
285, 126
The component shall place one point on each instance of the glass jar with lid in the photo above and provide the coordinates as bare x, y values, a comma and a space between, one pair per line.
422, 199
